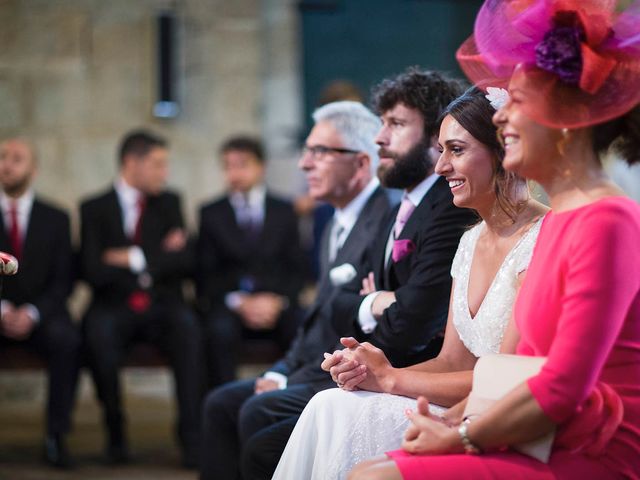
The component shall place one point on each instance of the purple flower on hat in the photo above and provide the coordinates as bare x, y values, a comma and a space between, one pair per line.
560, 50
402, 248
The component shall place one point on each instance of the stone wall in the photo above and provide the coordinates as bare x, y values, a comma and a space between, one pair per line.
76, 74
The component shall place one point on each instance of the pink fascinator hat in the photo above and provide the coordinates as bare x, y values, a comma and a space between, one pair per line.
576, 62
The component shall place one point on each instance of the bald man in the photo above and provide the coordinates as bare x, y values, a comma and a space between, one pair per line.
34, 301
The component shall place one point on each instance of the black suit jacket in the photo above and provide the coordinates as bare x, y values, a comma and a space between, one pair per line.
317, 333
44, 275
224, 255
409, 330
101, 228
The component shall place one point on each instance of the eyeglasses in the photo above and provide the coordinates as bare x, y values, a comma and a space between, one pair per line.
319, 151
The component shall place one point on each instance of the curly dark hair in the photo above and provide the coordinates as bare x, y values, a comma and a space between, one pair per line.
427, 91
622, 134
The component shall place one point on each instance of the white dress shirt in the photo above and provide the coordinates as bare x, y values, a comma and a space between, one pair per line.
129, 198
345, 218
254, 200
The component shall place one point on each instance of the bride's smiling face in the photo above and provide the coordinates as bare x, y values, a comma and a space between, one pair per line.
468, 166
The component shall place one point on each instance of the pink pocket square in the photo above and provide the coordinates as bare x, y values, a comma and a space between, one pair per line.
402, 248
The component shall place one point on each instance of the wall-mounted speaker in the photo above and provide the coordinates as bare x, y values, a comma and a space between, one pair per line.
166, 105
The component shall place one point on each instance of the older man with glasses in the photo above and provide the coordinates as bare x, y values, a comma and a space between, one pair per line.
340, 159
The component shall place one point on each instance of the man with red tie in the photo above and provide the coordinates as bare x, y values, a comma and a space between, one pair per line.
135, 254
34, 303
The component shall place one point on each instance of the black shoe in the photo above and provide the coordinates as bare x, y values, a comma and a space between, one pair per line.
56, 453
117, 454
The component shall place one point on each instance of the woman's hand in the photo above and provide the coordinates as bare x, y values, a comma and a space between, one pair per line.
345, 370
428, 434
379, 371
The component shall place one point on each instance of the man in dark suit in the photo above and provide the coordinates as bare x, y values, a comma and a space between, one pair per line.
403, 303
339, 161
250, 265
135, 254
405, 307
34, 305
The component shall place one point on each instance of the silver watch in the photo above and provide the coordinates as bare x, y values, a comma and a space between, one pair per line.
469, 447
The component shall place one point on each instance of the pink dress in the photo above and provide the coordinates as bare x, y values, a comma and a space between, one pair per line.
580, 306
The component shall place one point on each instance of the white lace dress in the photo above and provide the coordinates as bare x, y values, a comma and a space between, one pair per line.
339, 429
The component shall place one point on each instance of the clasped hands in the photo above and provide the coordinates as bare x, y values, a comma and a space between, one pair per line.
16, 322
260, 311
359, 366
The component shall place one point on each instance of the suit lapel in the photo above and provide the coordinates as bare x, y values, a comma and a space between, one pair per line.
419, 221
33, 229
4, 237
237, 237
361, 233
267, 231
324, 250
115, 214
423, 210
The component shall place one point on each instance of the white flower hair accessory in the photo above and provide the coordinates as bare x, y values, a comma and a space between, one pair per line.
498, 97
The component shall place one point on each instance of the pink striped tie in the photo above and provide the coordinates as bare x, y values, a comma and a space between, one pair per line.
405, 211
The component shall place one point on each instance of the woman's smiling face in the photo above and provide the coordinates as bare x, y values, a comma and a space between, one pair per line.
530, 148
468, 166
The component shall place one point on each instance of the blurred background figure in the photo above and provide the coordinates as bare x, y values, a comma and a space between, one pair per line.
135, 254
34, 309
250, 265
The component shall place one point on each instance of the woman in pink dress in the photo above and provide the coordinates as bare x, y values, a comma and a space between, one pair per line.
574, 68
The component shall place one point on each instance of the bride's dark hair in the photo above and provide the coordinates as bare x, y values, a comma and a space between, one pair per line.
475, 114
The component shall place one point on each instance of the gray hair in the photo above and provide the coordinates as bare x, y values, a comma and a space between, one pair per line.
357, 126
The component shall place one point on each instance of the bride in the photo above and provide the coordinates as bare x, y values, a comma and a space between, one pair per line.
340, 428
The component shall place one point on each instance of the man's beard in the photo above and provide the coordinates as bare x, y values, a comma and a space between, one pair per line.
18, 187
409, 169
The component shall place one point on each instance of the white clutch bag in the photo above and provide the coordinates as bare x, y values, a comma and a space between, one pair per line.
496, 375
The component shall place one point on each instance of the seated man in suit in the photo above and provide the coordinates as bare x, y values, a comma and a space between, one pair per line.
135, 254
34, 309
250, 265
339, 160
406, 308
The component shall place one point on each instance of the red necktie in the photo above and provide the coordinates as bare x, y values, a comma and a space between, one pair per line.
137, 233
14, 231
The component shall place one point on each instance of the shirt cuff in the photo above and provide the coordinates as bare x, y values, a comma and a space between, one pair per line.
4, 304
33, 312
279, 378
137, 260
233, 300
367, 321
